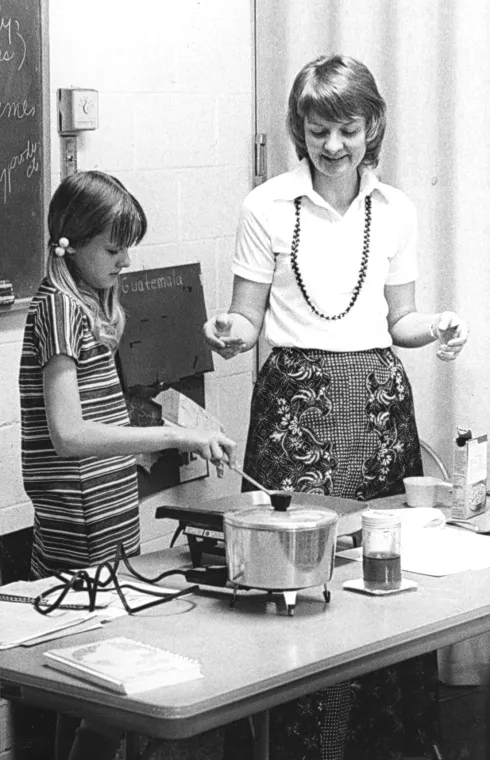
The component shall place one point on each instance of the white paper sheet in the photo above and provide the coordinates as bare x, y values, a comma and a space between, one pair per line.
438, 552
20, 622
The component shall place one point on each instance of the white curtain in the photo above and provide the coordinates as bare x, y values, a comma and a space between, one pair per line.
431, 61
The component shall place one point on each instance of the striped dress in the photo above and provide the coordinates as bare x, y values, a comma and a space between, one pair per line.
82, 507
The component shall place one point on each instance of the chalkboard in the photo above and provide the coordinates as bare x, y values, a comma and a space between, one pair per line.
23, 143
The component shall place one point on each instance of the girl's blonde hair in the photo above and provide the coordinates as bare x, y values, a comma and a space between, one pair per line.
82, 207
337, 89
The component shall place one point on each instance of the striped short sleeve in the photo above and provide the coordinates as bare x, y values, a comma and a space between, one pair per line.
57, 328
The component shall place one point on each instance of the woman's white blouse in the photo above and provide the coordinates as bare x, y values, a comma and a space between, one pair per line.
329, 259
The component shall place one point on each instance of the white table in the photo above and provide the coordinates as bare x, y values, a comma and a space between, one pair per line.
254, 656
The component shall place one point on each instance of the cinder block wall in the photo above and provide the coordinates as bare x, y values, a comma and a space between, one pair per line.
176, 119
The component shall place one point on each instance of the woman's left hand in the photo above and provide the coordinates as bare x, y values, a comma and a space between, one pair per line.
452, 332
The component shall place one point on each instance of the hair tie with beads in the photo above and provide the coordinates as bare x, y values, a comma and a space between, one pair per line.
62, 246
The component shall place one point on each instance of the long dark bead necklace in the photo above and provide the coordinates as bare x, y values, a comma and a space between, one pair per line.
362, 270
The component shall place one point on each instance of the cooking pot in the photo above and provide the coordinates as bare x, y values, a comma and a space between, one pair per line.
280, 549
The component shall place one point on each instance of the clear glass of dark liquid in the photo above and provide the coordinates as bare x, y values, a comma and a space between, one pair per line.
381, 562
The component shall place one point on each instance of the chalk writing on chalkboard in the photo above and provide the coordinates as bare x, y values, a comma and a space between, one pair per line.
22, 243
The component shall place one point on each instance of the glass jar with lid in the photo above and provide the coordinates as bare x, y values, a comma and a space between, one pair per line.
381, 539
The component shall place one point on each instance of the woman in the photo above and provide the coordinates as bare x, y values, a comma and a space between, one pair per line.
326, 258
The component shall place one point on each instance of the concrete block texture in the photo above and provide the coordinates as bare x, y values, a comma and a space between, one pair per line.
175, 87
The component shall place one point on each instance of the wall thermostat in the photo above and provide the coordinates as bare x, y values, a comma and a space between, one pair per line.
78, 110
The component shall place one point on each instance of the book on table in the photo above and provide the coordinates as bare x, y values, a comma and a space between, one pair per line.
124, 665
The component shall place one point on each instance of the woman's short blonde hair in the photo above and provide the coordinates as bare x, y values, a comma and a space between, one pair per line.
337, 88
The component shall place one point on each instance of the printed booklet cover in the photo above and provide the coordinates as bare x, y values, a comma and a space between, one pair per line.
124, 665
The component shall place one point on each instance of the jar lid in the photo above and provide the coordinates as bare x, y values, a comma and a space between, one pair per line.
381, 518
293, 519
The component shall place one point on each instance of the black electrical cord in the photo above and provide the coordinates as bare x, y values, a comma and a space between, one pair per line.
81, 580
122, 556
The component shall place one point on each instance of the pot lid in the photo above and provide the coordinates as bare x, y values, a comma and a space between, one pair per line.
295, 518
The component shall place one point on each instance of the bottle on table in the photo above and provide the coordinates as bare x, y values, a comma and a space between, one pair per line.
381, 539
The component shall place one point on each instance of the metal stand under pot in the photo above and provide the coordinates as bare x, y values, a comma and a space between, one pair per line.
288, 596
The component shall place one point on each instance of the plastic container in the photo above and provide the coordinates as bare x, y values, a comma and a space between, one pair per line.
381, 538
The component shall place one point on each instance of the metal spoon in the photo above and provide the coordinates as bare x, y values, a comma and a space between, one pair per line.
251, 480
279, 500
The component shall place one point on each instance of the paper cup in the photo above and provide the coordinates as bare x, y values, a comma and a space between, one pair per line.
425, 491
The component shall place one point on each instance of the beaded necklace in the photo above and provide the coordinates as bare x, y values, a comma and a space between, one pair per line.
362, 270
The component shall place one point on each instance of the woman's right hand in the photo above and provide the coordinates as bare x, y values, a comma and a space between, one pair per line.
220, 334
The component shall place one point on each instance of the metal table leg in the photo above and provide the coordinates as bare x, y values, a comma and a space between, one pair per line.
131, 745
261, 738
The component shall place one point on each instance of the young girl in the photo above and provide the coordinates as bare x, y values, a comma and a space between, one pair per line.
77, 442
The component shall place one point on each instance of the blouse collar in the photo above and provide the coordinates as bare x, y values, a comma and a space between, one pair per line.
299, 183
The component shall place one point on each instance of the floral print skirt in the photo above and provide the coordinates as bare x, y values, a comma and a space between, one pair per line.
341, 424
